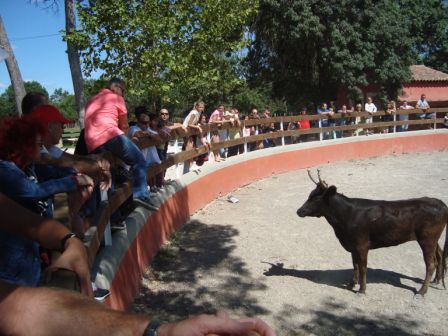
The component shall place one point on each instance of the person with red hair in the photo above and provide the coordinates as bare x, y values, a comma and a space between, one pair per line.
20, 144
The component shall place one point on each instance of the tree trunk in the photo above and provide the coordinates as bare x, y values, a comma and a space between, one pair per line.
13, 69
73, 60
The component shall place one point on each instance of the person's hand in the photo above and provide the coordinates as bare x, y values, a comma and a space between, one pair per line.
214, 325
105, 175
85, 185
105, 179
74, 258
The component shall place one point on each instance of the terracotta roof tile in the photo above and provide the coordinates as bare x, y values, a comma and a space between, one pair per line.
424, 73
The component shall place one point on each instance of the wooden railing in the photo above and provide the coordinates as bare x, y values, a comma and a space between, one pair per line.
97, 230
282, 132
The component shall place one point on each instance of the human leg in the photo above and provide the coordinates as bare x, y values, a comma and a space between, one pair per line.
126, 150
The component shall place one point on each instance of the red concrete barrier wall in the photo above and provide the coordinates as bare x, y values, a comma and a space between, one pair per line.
177, 209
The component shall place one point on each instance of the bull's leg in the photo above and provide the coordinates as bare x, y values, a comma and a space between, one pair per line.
355, 272
439, 266
429, 255
363, 270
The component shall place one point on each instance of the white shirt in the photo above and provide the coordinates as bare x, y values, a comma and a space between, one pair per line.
150, 153
194, 115
370, 107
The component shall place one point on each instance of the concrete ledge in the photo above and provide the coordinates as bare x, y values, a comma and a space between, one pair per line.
121, 266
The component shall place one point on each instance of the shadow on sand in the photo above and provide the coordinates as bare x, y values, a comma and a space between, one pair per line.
177, 269
341, 278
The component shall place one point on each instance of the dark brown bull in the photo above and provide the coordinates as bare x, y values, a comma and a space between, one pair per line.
363, 224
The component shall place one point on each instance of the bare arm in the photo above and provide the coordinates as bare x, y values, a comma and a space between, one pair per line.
48, 233
123, 123
95, 166
25, 311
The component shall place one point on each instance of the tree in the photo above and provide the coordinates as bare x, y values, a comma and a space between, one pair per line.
428, 25
14, 72
73, 58
161, 47
309, 49
65, 102
8, 104
72, 51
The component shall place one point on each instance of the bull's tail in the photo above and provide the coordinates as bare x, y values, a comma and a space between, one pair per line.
445, 253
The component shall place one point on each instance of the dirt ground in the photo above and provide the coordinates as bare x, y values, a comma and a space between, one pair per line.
257, 257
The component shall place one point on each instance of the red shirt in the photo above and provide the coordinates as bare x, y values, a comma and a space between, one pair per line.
304, 124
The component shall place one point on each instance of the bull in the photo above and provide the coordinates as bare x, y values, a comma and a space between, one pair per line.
362, 224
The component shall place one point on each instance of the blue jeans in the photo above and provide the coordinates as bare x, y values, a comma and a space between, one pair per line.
126, 150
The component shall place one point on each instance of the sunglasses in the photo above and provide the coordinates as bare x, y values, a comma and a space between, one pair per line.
164, 113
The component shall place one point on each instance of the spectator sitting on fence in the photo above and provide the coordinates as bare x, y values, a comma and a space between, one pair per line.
356, 120
106, 126
146, 129
167, 127
344, 120
216, 118
325, 111
268, 128
235, 132
370, 108
254, 130
404, 117
201, 159
390, 111
20, 143
304, 124
423, 104
190, 123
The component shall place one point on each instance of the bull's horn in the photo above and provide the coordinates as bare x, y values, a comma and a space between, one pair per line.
320, 180
309, 174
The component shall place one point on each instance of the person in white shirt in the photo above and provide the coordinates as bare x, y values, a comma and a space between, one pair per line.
423, 104
191, 123
371, 109
403, 117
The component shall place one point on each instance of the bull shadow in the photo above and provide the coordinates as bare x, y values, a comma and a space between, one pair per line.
342, 277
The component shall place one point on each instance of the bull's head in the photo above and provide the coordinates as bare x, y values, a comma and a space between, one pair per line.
317, 199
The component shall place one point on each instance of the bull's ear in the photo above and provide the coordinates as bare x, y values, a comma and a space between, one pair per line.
330, 191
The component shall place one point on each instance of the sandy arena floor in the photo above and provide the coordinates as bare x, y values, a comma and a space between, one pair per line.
256, 257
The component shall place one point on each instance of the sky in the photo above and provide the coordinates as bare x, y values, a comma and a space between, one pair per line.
37, 44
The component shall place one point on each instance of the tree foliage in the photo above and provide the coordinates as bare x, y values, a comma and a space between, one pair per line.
309, 49
164, 47
65, 102
7, 98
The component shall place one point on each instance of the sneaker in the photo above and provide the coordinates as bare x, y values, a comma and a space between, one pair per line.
100, 294
118, 226
146, 203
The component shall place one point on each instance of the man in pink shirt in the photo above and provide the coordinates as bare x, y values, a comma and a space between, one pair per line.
106, 126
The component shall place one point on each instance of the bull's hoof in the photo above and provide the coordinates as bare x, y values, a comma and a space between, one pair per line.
419, 296
361, 293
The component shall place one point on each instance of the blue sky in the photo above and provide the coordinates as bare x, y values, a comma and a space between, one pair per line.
42, 59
